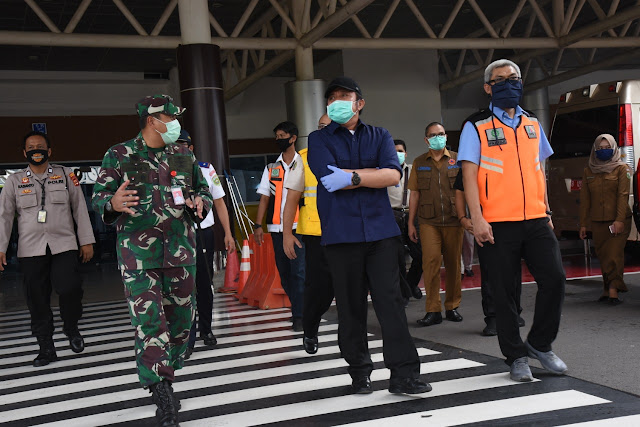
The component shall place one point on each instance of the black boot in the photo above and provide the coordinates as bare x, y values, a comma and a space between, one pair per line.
176, 401
166, 414
47, 352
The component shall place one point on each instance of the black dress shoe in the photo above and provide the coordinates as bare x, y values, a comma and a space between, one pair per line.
430, 319
603, 298
297, 324
361, 385
408, 386
615, 301
490, 330
453, 315
416, 292
469, 273
310, 344
188, 352
209, 339
521, 322
47, 352
75, 341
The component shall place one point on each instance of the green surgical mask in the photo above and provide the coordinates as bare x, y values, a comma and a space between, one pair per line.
172, 133
437, 142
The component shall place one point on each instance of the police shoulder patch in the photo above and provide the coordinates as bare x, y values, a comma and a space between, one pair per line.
74, 179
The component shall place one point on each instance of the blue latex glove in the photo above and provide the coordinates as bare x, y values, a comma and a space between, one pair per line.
337, 180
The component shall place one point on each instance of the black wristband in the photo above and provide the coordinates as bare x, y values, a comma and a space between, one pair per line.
549, 213
256, 226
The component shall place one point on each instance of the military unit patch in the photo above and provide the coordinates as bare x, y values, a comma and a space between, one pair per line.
74, 179
452, 162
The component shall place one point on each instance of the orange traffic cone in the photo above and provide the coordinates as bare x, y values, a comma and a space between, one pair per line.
231, 275
245, 265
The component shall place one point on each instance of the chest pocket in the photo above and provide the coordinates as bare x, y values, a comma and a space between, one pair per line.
58, 195
611, 183
452, 175
137, 172
424, 179
26, 201
182, 165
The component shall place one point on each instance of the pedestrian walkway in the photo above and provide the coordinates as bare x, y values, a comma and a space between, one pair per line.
259, 374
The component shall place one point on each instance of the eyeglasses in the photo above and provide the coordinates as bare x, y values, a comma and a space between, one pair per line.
501, 81
321, 126
431, 135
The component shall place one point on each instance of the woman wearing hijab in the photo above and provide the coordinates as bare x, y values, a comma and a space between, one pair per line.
604, 202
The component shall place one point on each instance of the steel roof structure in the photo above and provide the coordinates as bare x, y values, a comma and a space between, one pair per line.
565, 38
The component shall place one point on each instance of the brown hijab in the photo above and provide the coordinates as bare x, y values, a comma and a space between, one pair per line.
605, 166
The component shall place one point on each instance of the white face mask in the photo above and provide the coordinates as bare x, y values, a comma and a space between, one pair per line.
172, 133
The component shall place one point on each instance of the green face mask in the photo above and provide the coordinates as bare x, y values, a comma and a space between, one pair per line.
172, 133
402, 157
437, 142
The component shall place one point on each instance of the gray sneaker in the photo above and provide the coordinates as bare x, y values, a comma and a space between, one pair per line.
520, 370
548, 360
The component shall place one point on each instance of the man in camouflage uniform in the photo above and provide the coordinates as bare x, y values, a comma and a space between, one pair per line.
143, 187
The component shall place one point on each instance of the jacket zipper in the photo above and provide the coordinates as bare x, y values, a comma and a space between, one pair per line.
441, 202
524, 197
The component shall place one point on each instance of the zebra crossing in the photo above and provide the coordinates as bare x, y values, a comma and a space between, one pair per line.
259, 374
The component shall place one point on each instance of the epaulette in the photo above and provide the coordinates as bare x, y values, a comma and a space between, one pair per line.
204, 164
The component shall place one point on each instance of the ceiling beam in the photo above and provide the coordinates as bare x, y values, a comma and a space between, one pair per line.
43, 16
163, 18
571, 39
577, 72
77, 16
132, 19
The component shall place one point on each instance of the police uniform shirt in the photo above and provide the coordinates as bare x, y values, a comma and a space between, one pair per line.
64, 203
395, 192
263, 188
215, 187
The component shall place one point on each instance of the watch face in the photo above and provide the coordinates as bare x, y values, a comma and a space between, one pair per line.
355, 179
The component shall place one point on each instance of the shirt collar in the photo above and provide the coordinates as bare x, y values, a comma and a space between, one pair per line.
446, 153
140, 144
333, 126
502, 115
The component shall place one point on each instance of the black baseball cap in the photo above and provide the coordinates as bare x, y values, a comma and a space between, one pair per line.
344, 83
184, 137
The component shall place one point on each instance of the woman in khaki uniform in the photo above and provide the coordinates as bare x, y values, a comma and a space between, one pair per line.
604, 202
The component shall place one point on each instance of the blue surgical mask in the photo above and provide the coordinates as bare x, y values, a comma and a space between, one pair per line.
506, 95
402, 157
172, 133
604, 154
437, 142
340, 111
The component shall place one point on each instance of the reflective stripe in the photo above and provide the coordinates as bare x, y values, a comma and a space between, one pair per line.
481, 122
489, 159
310, 188
537, 159
491, 167
537, 166
310, 194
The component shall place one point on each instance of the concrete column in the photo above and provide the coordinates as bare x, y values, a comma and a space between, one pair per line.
537, 101
201, 92
305, 96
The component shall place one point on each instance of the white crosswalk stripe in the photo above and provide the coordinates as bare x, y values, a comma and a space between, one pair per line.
257, 374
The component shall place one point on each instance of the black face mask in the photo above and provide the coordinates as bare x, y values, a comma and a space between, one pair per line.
38, 159
283, 144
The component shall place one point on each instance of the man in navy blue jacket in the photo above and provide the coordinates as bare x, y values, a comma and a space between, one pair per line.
355, 163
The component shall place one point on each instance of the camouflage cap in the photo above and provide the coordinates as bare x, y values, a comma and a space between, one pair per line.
158, 104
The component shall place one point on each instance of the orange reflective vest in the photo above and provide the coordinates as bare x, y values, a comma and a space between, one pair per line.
276, 186
511, 182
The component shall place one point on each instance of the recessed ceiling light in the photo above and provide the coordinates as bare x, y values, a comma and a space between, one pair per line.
33, 57
168, 59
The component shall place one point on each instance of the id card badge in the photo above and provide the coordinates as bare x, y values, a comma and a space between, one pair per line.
178, 197
42, 216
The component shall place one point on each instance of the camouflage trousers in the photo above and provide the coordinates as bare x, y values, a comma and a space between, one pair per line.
161, 306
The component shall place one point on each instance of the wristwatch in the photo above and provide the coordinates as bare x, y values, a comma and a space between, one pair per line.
256, 226
549, 213
108, 206
355, 179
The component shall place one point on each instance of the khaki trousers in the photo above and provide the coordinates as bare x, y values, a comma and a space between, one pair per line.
440, 242
610, 253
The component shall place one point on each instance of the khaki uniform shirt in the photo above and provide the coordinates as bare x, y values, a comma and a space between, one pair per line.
434, 180
64, 203
396, 192
605, 196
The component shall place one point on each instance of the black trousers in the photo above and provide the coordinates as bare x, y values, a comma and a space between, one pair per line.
410, 279
488, 303
359, 268
204, 292
318, 285
41, 274
534, 241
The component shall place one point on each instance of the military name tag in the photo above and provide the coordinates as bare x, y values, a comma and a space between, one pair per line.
178, 197
531, 131
495, 137
42, 216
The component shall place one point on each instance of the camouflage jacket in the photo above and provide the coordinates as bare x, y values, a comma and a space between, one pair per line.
160, 234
